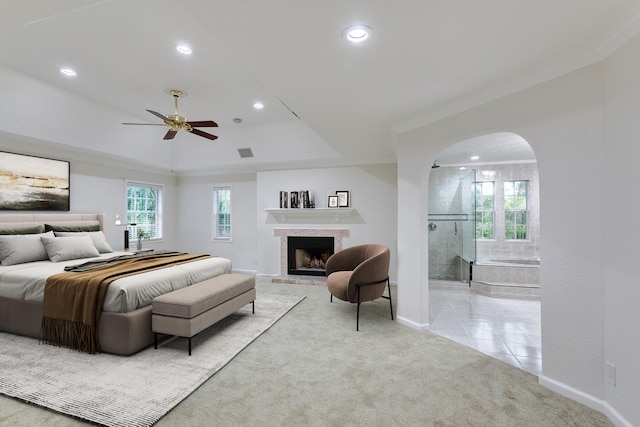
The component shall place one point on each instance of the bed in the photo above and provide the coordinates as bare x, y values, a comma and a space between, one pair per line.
125, 320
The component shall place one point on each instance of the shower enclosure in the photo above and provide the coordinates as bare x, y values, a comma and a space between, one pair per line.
452, 242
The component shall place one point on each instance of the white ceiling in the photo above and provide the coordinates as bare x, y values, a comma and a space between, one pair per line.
425, 59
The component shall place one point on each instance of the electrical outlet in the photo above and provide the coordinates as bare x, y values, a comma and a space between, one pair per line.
611, 373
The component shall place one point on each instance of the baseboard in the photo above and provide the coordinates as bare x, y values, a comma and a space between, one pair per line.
585, 399
413, 325
615, 417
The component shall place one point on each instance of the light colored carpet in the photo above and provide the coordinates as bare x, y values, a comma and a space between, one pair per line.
135, 390
313, 369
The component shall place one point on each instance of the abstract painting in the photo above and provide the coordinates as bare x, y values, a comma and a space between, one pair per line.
33, 183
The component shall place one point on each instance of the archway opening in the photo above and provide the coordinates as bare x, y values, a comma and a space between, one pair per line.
484, 240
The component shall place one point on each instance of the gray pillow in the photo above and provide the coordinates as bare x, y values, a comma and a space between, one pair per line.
66, 248
72, 228
18, 249
98, 237
36, 229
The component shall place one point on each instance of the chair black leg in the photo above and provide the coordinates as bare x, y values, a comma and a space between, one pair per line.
189, 346
358, 312
390, 303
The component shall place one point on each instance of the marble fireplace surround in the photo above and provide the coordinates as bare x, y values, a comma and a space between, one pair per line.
283, 233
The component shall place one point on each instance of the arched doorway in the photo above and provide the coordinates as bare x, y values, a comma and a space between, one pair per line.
483, 244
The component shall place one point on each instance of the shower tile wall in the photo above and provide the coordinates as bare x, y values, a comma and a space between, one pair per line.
446, 240
510, 249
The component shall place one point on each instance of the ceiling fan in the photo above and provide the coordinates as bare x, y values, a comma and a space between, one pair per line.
176, 122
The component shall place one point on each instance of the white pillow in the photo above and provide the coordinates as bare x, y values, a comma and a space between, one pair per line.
65, 248
17, 249
98, 237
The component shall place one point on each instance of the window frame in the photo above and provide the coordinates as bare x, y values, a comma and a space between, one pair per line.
133, 235
215, 189
516, 211
483, 211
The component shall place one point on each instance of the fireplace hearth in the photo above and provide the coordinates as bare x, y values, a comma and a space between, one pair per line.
308, 255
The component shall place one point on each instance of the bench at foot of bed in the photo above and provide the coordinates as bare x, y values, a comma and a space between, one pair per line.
190, 310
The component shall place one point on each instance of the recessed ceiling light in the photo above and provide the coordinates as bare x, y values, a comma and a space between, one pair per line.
68, 72
462, 168
258, 105
474, 157
357, 33
183, 48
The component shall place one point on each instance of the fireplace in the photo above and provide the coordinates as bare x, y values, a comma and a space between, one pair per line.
307, 255
337, 234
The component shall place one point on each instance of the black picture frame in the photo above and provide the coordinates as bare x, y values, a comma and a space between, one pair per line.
344, 198
32, 183
332, 202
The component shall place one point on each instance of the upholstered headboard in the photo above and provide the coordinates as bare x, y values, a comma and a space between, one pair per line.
8, 221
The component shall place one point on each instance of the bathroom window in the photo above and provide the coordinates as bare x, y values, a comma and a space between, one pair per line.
144, 208
222, 213
515, 209
485, 208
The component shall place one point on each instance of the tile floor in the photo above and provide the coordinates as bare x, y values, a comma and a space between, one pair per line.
507, 329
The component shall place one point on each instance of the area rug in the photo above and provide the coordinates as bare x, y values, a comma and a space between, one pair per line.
130, 390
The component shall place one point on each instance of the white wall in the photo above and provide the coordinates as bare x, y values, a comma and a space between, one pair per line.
373, 196
622, 234
195, 210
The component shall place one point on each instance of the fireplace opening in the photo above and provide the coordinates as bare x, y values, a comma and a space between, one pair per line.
307, 256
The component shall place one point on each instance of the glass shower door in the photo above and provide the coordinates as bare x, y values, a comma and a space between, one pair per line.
452, 243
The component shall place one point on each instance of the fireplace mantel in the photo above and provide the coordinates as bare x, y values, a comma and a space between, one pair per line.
330, 213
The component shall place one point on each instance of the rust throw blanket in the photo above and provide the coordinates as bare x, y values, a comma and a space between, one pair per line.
73, 301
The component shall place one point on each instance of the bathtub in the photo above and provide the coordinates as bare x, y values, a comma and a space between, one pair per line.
513, 278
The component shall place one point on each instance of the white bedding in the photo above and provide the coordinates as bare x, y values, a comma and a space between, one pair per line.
26, 281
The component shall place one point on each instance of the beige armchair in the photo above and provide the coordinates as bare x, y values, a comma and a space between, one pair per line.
359, 274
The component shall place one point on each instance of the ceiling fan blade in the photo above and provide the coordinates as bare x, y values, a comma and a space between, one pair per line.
171, 134
204, 124
155, 113
145, 124
203, 134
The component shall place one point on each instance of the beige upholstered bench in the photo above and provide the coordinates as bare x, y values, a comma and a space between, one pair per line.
190, 310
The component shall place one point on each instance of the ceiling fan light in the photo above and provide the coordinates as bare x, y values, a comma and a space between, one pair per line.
184, 49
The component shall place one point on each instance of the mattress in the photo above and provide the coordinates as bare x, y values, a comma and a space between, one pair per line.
26, 281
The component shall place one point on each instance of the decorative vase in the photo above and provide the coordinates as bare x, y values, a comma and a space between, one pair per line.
139, 246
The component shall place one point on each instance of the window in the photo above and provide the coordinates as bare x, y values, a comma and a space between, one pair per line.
222, 213
144, 208
515, 210
484, 210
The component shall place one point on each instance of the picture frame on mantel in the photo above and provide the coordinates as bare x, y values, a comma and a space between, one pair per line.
332, 202
344, 198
